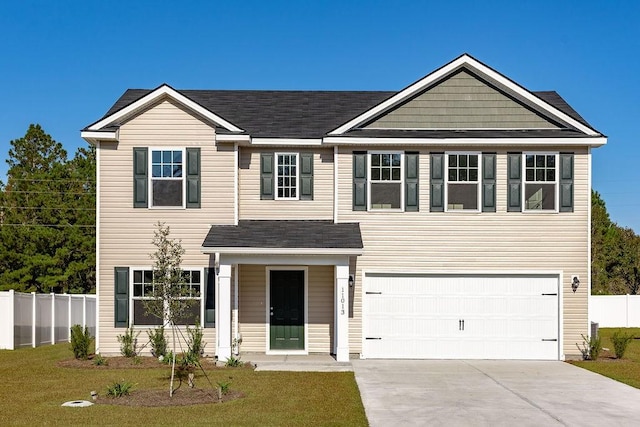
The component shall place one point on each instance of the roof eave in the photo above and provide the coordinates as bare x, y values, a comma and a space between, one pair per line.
281, 251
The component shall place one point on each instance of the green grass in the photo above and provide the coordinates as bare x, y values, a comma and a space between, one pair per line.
626, 370
34, 387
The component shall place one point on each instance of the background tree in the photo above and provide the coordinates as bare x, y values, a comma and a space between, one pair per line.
615, 253
47, 231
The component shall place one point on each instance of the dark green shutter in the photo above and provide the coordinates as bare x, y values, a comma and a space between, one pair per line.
514, 182
140, 183
437, 182
566, 182
306, 176
121, 291
193, 177
488, 182
411, 169
209, 297
359, 181
266, 176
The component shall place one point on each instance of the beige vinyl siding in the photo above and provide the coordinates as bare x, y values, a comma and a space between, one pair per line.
461, 102
455, 242
126, 233
253, 311
251, 207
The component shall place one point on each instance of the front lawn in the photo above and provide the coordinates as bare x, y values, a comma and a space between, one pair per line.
625, 370
34, 386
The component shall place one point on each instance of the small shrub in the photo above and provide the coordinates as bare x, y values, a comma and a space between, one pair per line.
100, 361
167, 359
128, 343
223, 387
620, 342
80, 342
591, 347
158, 341
119, 388
194, 341
233, 362
136, 360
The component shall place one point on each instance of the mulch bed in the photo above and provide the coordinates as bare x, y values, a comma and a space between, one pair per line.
184, 396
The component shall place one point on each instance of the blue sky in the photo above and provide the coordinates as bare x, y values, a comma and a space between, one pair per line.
63, 63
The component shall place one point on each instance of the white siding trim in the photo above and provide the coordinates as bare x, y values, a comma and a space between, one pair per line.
335, 184
589, 188
236, 195
452, 142
95, 137
98, 187
475, 65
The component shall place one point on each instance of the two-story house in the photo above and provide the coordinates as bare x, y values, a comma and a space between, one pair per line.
447, 220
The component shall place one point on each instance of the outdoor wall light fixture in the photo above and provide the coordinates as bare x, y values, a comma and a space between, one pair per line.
575, 282
351, 280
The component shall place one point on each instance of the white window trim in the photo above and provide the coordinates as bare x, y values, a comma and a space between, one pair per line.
478, 182
184, 177
556, 195
150, 268
401, 182
276, 187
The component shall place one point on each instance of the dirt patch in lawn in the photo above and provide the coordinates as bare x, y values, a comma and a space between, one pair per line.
181, 397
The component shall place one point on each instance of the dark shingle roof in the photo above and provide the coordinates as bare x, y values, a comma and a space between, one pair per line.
304, 114
285, 234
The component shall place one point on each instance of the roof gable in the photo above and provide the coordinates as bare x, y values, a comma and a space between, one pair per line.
527, 100
116, 116
462, 101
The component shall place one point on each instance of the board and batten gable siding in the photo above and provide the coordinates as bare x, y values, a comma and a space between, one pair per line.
251, 207
461, 102
126, 232
458, 242
252, 308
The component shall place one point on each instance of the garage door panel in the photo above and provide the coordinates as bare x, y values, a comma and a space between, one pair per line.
461, 317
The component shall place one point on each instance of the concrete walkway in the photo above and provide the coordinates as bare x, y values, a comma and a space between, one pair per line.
310, 363
492, 393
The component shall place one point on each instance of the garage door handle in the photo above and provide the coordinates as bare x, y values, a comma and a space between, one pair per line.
549, 339
373, 293
555, 295
373, 338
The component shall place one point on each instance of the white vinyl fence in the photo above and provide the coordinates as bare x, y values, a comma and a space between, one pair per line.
31, 320
615, 311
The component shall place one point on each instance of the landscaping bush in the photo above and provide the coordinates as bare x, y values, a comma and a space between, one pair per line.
194, 342
119, 389
591, 347
80, 342
620, 342
128, 343
158, 342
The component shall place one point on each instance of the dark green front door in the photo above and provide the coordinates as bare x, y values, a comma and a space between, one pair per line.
286, 309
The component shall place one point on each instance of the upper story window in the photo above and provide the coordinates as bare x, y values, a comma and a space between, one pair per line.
167, 178
541, 182
386, 189
287, 176
463, 182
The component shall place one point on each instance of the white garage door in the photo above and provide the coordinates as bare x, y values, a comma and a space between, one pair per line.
454, 317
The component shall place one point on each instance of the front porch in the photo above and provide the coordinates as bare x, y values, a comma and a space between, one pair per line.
291, 297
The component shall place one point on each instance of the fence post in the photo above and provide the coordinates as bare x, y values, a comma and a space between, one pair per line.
12, 316
69, 301
53, 318
34, 319
626, 311
84, 311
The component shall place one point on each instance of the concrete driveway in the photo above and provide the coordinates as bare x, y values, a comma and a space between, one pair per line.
492, 393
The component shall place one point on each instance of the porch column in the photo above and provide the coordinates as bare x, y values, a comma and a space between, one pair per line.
223, 313
341, 319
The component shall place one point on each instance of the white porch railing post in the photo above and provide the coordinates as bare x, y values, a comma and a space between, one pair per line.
223, 312
341, 311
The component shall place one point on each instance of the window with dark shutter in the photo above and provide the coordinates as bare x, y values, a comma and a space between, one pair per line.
121, 292
437, 182
266, 176
359, 181
193, 177
412, 177
140, 183
566, 182
514, 182
488, 182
